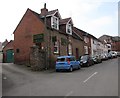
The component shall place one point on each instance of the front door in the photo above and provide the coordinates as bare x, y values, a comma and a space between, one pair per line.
10, 56
77, 53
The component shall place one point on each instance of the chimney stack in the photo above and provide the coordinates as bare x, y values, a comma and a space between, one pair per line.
44, 10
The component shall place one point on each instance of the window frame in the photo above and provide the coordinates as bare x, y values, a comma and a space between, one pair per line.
56, 45
55, 22
69, 49
69, 27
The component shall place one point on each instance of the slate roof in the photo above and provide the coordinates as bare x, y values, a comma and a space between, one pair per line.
116, 38
64, 21
49, 13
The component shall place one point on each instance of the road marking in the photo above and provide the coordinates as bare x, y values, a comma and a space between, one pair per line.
90, 77
4, 78
68, 94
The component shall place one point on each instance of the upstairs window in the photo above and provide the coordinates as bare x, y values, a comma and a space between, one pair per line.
85, 39
69, 29
55, 22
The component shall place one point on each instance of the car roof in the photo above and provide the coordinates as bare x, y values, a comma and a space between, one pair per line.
65, 56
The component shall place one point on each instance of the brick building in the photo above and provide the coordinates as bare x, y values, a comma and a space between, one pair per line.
8, 53
87, 40
49, 32
116, 43
112, 42
107, 40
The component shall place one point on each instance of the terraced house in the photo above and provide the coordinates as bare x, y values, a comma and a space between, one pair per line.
52, 35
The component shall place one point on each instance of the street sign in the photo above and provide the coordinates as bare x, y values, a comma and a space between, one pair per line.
38, 38
64, 41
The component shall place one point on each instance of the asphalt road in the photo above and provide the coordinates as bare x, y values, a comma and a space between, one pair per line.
97, 80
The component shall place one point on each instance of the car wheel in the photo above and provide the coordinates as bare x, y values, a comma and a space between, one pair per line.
71, 69
88, 64
56, 70
79, 67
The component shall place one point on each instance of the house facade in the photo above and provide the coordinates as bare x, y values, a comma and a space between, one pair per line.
111, 42
49, 32
116, 43
86, 38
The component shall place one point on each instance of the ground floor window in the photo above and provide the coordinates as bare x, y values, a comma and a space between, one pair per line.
56, 47
86, 49
70, 49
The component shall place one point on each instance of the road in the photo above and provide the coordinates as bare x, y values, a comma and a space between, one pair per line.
97, 80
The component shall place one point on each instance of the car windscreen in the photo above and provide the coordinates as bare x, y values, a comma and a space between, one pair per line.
60, 59
84, 57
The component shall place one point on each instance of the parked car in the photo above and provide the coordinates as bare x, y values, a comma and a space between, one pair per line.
104, 56
97, 59
113, 53
94, 58
67, 63
86, 60
110, 56
118, 54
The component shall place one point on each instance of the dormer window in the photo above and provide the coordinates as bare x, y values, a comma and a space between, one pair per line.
55, 22
69, 29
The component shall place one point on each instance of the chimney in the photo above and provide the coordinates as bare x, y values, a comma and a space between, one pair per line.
44, 10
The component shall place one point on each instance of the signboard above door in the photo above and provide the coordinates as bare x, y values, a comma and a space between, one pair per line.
38, 38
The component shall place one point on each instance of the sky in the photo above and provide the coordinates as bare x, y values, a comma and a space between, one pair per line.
97, 17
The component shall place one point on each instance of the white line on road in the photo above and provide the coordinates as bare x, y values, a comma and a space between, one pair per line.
68, 94
90, 77
4, 78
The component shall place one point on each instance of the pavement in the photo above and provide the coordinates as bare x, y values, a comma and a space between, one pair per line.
97, 80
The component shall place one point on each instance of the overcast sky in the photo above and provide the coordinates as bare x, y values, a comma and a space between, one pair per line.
96, 17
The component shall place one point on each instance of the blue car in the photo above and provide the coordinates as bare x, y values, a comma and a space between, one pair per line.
67, 63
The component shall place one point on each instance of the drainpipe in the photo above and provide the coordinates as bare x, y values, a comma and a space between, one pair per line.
46, 44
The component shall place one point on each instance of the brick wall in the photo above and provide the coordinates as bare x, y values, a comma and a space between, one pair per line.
23, 36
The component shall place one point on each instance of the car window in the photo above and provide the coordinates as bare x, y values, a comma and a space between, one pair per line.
60, 59
84, 57
72, 59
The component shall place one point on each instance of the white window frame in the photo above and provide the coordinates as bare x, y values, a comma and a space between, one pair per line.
56, 46
69, 27
85, 39
55, 22
86, 49
69, 49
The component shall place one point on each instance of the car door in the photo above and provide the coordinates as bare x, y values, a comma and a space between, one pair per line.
75, 62
72, 60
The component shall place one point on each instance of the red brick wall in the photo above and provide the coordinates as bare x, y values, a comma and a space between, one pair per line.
116, 46
23, 36
78, 44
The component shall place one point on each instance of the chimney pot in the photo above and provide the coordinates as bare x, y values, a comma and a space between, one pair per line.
44, 10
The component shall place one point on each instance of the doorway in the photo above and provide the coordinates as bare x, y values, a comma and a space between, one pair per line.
10, 56
77, 53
